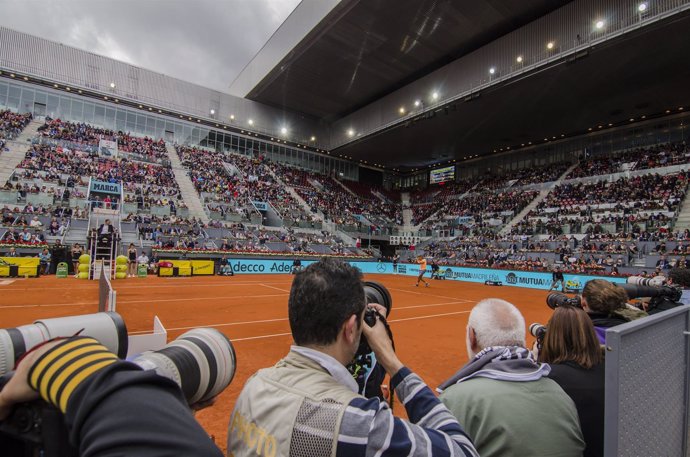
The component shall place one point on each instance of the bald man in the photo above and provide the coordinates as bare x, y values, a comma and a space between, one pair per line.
503, 396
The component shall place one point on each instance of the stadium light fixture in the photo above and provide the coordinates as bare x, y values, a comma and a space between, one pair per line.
232, 117
112, 85
313, 138
417, 103
401, 110
283, 130
492, 70
519, 59
350, 132
213, 112
550, 45
250, 122
434, 96
642, 7
600, 24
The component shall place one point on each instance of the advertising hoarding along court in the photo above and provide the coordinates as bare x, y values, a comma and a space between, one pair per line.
517, 278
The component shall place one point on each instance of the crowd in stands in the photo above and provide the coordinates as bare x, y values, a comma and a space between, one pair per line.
641, 203
323, 193
11, 125
634, 159
31, 225
56, 162
87, 135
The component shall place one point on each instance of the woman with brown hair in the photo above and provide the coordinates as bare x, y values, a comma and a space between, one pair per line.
572, 350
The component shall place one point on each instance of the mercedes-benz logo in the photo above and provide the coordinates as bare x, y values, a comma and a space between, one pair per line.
380, 268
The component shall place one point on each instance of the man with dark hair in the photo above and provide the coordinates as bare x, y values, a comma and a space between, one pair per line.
606, 304
681, 277
307, 404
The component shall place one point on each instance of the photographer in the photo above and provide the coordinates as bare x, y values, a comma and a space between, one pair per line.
681, 277
606, 305
307, 403
571, 348
111, 407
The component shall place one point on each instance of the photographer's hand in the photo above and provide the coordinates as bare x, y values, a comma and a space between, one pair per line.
18, 390
381, 344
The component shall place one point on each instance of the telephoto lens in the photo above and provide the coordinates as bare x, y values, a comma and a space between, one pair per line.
375, 292
201, 361
556, 299
537, 330
108, 328
642, 281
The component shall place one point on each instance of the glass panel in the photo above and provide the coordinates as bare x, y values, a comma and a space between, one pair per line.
27, 101
76, 112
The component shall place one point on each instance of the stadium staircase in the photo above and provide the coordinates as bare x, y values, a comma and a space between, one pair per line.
189, 193
17, 150
436, 213
406, 212
537, 200
347, 189
683, 219
294, 194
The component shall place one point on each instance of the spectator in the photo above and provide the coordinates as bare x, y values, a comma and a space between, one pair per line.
502, 385
12, 253
326, 308
572, 350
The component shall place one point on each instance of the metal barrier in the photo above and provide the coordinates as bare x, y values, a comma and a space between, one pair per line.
647, 367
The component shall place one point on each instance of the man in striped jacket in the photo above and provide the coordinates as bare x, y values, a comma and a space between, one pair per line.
307, 404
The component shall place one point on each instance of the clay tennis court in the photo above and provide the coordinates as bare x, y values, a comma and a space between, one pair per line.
428, 324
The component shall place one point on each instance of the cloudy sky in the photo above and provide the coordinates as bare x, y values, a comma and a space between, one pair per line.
206, 42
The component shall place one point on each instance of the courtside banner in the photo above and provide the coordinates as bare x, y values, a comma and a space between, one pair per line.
518, 278
529, 279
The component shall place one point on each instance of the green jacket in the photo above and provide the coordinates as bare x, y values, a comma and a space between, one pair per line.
516, 419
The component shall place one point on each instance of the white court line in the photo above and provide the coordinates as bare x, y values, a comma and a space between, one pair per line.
429, 295
428, 317
230, 324
276, 288
288, 333
117, 286
150, 300
95, 303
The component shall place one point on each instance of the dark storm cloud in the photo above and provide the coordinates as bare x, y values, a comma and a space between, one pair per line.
206, 42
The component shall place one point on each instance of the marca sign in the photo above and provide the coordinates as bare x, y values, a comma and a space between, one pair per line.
105, 187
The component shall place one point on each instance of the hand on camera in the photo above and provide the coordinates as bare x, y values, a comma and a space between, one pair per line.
381, 344
18, 390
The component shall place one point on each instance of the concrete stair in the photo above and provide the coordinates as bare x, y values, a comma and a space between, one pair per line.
683, 220
189, 193
533, 204
347, 189
9, 160
294, 194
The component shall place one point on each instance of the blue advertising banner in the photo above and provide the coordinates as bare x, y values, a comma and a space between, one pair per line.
529, 279
261, 206
105, 187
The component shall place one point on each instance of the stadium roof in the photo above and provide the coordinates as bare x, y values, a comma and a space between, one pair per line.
363, 50
643, 73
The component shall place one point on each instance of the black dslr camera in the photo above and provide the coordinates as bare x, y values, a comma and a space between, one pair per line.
364, 369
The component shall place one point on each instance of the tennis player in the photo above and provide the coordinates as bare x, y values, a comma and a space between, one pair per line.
422, 269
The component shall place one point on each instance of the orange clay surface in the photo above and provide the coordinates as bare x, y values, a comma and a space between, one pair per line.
428, 323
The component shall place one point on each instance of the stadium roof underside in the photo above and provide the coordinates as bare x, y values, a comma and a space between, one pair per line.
363, 50
644, 73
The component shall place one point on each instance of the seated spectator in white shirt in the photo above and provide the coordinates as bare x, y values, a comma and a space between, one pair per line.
35, 222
